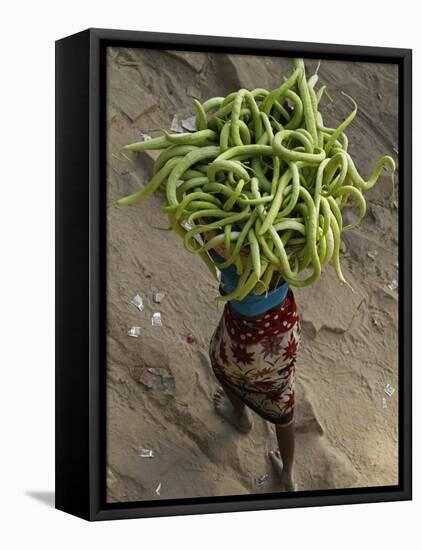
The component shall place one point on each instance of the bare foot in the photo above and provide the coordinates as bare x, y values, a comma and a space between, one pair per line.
240, 419
287, 479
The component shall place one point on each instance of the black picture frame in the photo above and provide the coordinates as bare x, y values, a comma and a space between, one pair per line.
80, 274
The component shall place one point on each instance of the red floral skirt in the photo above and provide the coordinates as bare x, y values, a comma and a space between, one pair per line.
256, 358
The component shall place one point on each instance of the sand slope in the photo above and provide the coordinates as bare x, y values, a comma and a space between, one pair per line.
346, 438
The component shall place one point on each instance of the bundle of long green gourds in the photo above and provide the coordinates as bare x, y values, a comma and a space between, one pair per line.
264, 180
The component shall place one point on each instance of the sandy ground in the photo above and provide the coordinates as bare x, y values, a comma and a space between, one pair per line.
346, 433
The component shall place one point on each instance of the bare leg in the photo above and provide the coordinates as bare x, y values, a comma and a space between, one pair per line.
283, 459
230, 407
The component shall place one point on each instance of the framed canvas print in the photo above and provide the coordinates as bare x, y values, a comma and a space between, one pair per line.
233, 274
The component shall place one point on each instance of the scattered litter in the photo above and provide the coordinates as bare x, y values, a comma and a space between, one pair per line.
189, 124
396, 265
146, 453
151, 377
261, 480
393, 284
388, 291
166, 378
371, 255
376, 322
156, 319
134, 332
389, 390
158, 371
186, 225
145, 137
176, 124
346, 352
191, 91
158, 296
169, 385
180, 124
138, 302
379, 95
158, 489
190, 339
148, 379
384, 403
